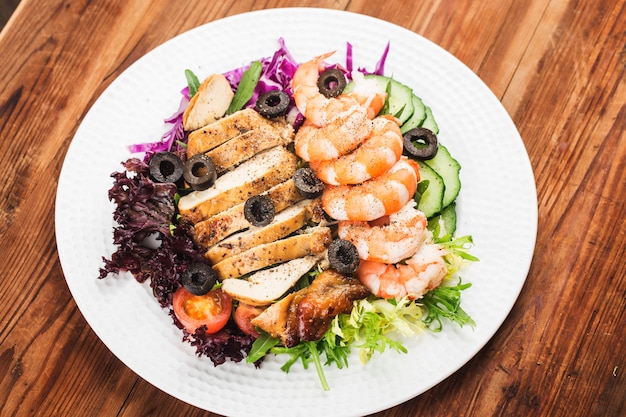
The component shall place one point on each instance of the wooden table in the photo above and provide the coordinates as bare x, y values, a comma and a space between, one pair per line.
557, 67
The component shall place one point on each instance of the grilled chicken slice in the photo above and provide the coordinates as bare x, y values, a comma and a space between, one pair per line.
243, 147
284, 223
307, 313
314, 307
212, 230
209, 103
268, 285
273, 319
254, 176
212, 135
314, 241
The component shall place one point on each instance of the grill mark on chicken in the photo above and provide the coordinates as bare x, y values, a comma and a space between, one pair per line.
254, 176
208, 137
312, 242
245, 146
286, 222
214, 229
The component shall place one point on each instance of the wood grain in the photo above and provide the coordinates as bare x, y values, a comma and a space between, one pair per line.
558, 68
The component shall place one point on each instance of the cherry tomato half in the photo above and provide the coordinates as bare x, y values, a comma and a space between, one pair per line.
211, 309
244, 313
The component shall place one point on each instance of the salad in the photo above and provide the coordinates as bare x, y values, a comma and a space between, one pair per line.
151, 206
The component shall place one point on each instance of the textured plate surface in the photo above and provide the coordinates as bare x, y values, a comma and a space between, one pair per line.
498, 199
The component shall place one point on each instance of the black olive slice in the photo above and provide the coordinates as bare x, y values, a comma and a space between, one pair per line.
343, 256
421, 143
166, 167
259, 210
199, 278
200, 172
272, 104
307, 183
331, 82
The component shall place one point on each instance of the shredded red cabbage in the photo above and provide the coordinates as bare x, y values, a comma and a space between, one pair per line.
380, 65
276, 74
172, 139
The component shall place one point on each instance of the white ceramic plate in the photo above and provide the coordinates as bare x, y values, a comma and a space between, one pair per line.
497, 206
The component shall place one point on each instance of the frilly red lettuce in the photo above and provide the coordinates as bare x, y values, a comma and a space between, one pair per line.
144, 210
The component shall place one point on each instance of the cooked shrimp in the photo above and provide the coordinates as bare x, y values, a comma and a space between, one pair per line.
389, 239
375, 198
368, 93
374, 157
319, 110
337, 138
421, 273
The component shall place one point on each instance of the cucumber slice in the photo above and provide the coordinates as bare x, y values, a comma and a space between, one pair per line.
429, 122
382, 81
430, 199
400, 101
418, 116
446, 221
448, 168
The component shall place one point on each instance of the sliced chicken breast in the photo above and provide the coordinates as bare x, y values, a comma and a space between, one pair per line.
273, 319
307, 313
266, 286
209, 103
313, 241
212, 135
212, 230
243, 147
254, 176
284, 223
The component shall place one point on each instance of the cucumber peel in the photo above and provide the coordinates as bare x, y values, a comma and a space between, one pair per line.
418, 116
429, 121
448, 168
444, 224
430, 191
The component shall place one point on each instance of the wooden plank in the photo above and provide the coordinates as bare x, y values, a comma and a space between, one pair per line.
558, 68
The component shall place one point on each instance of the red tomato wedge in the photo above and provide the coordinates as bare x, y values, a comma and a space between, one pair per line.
244, 313
211, 309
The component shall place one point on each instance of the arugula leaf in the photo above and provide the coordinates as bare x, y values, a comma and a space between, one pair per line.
307, 352
261, 346
334, 349
445, 302
192, 82
246, 87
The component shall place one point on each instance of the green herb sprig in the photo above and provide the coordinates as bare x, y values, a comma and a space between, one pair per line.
245, 89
